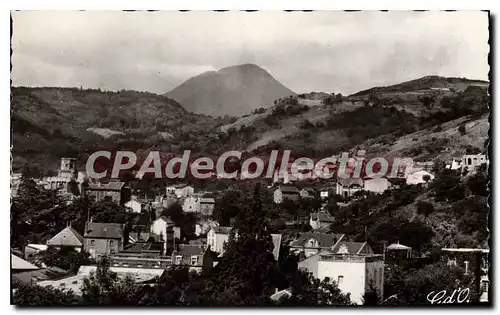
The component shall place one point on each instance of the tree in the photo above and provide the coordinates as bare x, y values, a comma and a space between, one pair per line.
65, 258
104, 287
425, 208
372, 295
35, 295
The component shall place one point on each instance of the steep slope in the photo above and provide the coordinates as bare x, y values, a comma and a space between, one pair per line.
233, 91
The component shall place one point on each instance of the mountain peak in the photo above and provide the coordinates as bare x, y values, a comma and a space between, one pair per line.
233, 90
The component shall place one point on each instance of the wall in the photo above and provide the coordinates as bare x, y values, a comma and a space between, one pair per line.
102, 246
353, 273
377, 185
375, 272
278, 196
135, 205
310, 264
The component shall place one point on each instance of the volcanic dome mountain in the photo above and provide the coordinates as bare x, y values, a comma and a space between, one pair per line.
234, 91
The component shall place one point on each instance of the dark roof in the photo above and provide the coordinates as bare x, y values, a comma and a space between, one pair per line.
396, 181
141, 246
352, 247
324, 239
189, 250
322, 216
109, 186
38, 275
144, 236
179, 185
104, 230
167, 220
309, 189
288, 189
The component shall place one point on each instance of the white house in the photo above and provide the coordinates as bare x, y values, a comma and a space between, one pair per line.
419, 177
191, 204
348, 187
376, 185
202, 226
217, 236
285, 192
473, 160
351, 265
68, 237
134, 205
180, 190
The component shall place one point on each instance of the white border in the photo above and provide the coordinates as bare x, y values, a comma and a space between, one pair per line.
199, 5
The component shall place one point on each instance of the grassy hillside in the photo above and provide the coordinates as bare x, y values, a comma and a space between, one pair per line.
48, 123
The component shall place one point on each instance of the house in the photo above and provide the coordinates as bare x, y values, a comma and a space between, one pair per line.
68, 237
15, 181
377, 184
419, 177
33, 249
353, 266
348, 187
180, 190
114, 191
323, 193
307, 192
134, 205
312, 243
102, 239
321, 219
207, 206
191, 204
74, 282
164, 227
471, 161
284, 192
217, 236
454, 163
66, 174
195, 256
202, 226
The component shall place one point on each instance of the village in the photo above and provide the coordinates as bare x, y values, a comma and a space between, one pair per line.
146, 251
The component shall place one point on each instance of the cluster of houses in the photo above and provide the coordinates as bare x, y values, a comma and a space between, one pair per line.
146, 251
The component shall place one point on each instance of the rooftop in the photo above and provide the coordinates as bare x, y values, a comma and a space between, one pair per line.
104, 230
325, 240
67, 237
115, 186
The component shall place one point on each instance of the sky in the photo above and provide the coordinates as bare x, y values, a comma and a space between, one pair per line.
328, 51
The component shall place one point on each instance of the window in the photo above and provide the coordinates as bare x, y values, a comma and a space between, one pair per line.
92, 242
111, 243
194, 260
340, 279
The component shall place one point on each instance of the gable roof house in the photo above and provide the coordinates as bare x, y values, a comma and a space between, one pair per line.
286, 192
349, 186
307, 192
114, 190
68, 237
103, 239
311, 243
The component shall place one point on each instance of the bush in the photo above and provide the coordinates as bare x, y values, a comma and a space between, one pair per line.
462, 130
425, 208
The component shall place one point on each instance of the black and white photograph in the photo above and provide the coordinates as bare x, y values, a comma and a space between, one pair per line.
250, 158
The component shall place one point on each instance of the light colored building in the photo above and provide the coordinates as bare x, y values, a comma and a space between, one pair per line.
377, 184
33, 249
66, 174
164, 227
180, 190
348, 187
286, 192
276, 245
15, 181
202, 226
353, 266
113, 191
320, 220
102, 239
68, 237
134, 205
419, 177
191, 204
20, 265
217, 236
207, 206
